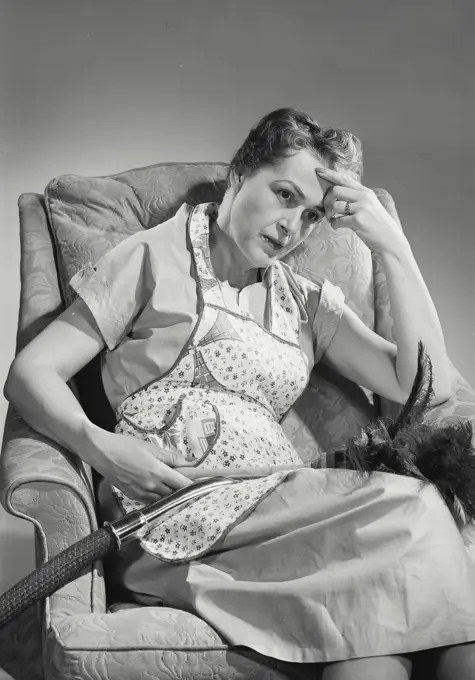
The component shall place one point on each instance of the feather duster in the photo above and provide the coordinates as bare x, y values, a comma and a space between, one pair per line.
442, 454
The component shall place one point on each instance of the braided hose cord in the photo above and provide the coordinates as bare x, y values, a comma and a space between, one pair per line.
63, 568
72, 562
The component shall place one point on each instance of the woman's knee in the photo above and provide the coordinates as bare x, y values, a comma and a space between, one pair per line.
369, 668
456, 662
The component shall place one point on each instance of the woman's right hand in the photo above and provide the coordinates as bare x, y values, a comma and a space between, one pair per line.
140, 469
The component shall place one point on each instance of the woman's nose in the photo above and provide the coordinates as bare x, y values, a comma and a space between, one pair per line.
290, 224
283, 229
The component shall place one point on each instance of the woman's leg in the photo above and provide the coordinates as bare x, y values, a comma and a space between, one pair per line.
370, 668
456, 662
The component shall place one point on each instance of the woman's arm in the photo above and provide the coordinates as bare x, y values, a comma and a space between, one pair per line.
386, 368
415, 318
369, 360
37, 381
37, 387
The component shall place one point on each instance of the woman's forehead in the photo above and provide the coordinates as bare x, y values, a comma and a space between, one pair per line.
300, 169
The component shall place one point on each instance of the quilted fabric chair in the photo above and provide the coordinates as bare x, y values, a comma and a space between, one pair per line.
80, 631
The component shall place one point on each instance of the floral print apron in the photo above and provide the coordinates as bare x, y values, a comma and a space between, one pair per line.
221, 402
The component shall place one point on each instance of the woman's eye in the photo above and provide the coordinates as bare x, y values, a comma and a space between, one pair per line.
314, 215
286, 194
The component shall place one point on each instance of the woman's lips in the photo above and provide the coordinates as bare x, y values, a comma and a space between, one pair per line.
274, 244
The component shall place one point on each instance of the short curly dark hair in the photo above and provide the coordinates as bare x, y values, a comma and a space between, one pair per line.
286, 130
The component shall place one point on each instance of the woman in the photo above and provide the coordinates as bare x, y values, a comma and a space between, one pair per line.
210, 339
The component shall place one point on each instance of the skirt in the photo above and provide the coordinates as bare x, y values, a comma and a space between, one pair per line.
329, 566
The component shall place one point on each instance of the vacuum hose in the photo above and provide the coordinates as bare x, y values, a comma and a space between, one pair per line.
72, 562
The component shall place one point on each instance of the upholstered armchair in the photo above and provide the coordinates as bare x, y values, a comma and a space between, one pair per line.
83, 631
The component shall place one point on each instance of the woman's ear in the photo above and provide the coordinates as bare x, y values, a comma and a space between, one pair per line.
235, 182
224, 213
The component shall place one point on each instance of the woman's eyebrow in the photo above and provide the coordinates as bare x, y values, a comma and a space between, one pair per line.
299, 191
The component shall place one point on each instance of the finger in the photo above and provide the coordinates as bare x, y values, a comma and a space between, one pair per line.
147, 497
338, 208
160, 491
339, 193
174, 479
338, 177
343, 222
163, 490
170, 457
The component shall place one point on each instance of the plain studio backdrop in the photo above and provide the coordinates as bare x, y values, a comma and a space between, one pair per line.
96, 87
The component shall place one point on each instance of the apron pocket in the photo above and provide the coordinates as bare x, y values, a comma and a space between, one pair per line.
190, 426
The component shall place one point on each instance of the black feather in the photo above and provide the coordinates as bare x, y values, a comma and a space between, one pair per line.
421, 394
442, 454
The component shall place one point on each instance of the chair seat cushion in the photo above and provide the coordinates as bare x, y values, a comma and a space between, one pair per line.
137, 642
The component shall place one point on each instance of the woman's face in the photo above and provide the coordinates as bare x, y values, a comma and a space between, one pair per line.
270, 213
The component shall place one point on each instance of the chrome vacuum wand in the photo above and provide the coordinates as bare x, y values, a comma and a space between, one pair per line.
136, 524
72, 562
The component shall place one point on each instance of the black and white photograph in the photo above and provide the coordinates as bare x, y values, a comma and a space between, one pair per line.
237, 348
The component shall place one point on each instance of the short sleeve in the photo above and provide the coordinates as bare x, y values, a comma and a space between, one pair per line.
324, 306
326, 318
117, 287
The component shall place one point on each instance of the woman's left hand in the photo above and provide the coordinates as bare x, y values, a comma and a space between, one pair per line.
350, 204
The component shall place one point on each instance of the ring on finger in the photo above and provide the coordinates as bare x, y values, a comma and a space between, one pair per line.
348, 208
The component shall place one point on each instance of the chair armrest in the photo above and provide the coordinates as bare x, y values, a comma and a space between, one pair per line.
48, 486
461, 404
28, 457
